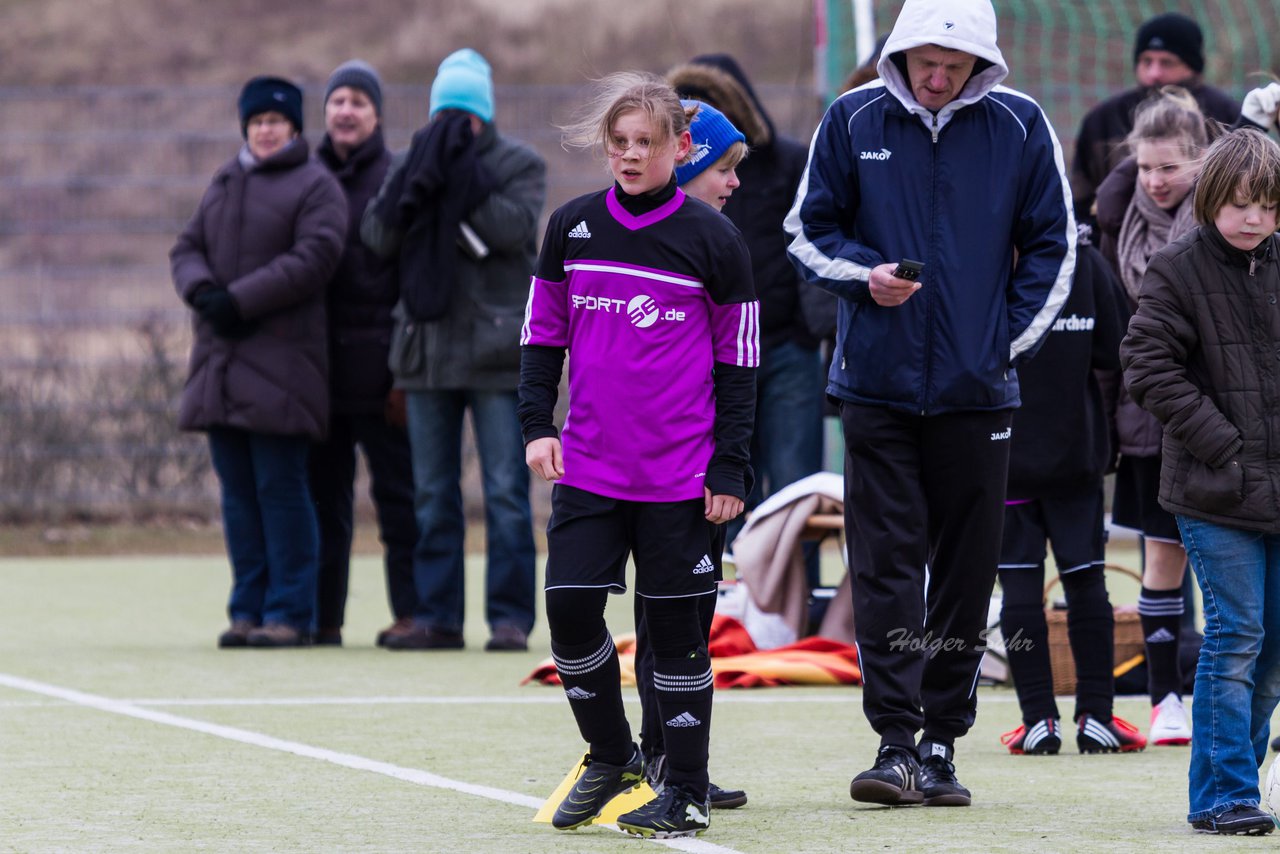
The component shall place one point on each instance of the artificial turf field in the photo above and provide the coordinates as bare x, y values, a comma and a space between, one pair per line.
122, 728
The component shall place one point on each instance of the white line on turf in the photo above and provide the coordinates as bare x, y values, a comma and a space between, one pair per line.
346, 760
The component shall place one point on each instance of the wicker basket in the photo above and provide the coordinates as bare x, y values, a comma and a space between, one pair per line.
1128, 637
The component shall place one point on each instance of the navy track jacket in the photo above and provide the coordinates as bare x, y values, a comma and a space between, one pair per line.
978, 192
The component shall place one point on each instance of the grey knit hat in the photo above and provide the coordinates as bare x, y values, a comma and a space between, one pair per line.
357, 74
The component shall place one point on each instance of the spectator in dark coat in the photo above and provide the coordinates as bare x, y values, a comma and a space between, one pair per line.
787, 441
461, 208
1168, 49
365, 410
253, 264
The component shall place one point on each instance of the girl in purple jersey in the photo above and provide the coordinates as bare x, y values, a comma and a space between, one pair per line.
652, 294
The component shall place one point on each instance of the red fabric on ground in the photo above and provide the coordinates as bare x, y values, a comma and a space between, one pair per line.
738, 664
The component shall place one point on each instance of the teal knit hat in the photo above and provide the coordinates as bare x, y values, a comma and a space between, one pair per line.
463, 82
712, 134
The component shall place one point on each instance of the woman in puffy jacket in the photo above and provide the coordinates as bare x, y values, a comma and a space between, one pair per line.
1201, 356
1144, 205
253, 264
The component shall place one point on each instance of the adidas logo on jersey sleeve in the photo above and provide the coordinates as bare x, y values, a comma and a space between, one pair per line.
580, 230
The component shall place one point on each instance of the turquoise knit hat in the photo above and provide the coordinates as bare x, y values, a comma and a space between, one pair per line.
463, 82
712, 134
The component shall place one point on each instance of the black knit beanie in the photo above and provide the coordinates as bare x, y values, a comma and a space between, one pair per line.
358, 75
268, 95
1175, 33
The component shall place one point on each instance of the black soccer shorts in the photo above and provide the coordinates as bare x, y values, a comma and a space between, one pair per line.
590, 536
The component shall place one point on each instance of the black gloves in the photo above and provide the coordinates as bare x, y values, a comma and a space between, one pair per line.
216, 307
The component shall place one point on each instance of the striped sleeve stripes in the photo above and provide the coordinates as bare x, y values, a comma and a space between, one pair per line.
679, 684
588, 663
749, 335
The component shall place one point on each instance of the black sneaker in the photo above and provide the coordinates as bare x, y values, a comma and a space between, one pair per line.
676, 812
938, 784
892, 780
725, 799
1237, 821
598, 784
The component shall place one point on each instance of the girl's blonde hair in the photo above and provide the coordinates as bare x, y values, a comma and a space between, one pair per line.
1171, 114
624, 92
1244, 162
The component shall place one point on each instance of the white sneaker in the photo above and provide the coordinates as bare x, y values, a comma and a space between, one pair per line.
1169, 724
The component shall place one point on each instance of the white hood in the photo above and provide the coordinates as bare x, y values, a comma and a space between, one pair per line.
967, 25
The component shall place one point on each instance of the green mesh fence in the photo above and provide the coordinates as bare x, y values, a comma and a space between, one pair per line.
1071, 55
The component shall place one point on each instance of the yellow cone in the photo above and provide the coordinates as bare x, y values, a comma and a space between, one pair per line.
623, 803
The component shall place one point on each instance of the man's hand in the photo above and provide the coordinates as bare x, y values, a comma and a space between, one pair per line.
720, 508
395, 410
1261, 104
888, 290
545, 458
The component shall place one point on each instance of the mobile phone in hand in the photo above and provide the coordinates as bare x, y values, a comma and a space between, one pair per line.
908, 269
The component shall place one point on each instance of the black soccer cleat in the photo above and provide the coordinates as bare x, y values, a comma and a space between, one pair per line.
1042, 738
598, 784
891, 781
674, 813
938, 784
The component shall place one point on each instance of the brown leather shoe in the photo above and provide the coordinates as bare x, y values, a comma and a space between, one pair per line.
421, 637
402, 626
327, 637
507, 638
236, 635
277, 635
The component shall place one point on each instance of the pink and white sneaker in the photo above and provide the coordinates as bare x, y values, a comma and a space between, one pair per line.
1169, 724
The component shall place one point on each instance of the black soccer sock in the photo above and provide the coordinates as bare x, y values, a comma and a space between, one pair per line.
650, 717
1091, 630
1161, 613
684, 689
592, 682
1026, 638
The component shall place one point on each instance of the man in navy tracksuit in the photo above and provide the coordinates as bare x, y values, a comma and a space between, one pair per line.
938, 163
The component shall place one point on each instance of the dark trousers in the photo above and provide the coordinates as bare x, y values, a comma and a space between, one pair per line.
333, 471
922, 491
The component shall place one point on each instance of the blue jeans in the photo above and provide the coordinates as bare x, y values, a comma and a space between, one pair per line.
1238, 676
270, 526
435, 435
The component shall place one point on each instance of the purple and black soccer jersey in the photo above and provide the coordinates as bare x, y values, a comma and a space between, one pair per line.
646, 304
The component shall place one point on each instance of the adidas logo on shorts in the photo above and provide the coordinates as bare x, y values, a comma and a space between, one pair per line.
704, 566
576, 693
684, 719
580, 230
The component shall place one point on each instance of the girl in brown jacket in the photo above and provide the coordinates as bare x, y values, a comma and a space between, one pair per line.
253, 264
1203, 356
